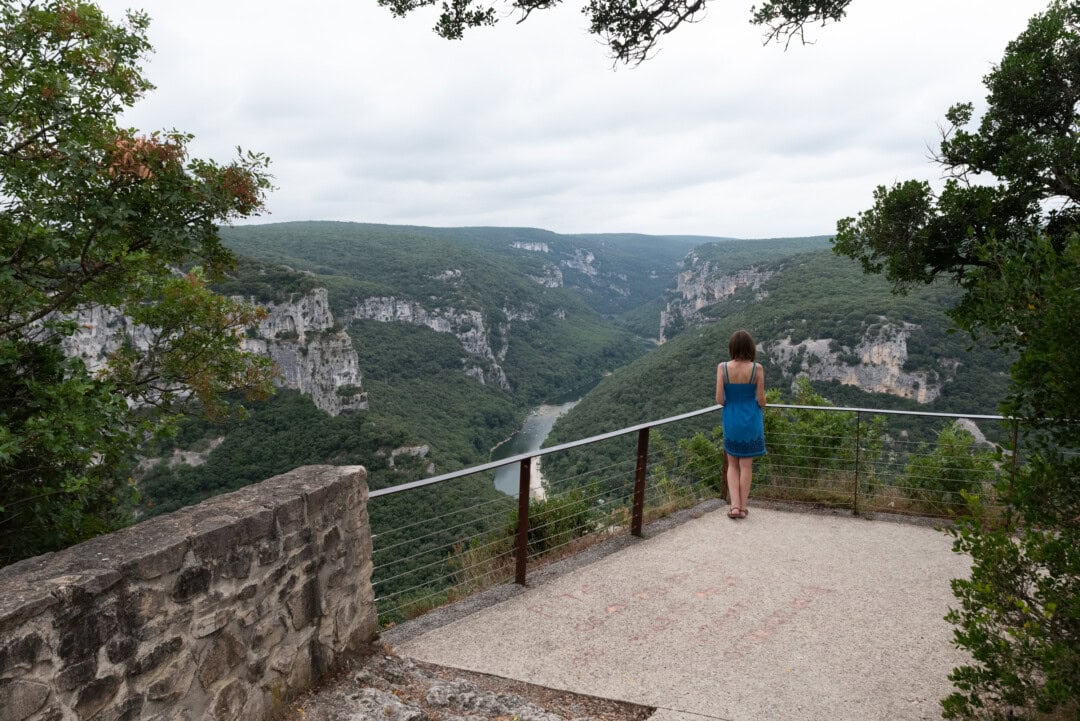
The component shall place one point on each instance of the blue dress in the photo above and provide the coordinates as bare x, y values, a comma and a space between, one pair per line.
743, 421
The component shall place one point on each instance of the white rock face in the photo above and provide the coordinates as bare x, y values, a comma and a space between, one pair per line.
882, 353
299, 336
313, 355
582, 262
701, 285
535, 247
552, 277
101, 331
467, 326
414, 451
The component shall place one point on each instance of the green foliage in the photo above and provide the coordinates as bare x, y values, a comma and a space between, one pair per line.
812, 295
632, 29
813, 449
555, 522
954, 470
92, 214
1013, 248
264, 283
705, 458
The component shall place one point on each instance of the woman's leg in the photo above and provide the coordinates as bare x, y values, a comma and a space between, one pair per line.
746, 475
733, 484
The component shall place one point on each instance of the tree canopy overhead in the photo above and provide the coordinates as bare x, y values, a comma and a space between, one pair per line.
631, 28
95, 214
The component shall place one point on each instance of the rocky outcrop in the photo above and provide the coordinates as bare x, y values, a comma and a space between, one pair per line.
315, 356
467, 326
551, 278
313, 353
535, 247
101, 331
701, 284
187, 457
411, 451
582, 262
880, 354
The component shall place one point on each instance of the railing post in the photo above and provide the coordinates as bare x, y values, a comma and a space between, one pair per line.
858, 447
1013, 470
639, 481
524, 490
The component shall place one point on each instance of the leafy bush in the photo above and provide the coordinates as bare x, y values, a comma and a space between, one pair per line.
955, 467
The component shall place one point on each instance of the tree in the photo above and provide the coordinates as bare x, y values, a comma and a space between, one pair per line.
1006, 228
96, 215
631, 28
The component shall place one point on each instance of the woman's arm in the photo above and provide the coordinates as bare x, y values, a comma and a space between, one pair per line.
761, 386
719, 385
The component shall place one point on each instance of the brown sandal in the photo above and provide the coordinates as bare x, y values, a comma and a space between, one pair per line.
735, 512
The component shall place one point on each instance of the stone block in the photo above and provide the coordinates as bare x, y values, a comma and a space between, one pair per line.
160, 654
95, 696
143, 605
21, 653
121, 648
77, 675
223, 655
269, 552
289, 513
229, 703
129, 709
284, 658
21, 699
81, 635
306, 605
19, 604
210, 623
248, 592
268, 634
213, 535
238, 563
190, 583
331, 541
173, 682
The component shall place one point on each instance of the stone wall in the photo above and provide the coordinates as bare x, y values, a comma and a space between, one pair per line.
221, 611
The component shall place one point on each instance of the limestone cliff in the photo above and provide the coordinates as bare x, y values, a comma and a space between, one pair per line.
878, 368
313, 354
701, 284
467, 326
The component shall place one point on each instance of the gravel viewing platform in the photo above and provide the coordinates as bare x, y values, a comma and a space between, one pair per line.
782, 615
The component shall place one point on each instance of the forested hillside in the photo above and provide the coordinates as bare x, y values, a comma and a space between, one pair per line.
813, 315
457, 333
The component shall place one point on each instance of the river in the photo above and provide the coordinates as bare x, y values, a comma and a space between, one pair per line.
529, 438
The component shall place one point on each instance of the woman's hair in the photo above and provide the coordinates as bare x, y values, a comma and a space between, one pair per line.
741, 346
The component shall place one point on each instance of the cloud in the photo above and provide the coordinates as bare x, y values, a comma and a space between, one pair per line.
372, 118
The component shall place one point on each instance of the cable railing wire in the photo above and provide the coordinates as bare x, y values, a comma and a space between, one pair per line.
833, 469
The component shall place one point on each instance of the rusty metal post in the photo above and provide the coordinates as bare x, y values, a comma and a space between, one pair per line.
858, 447
639, 482
1009, 520
524, 490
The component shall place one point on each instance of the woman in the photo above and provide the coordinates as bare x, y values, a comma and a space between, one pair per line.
740, 389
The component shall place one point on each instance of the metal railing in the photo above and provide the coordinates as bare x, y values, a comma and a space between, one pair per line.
849, 457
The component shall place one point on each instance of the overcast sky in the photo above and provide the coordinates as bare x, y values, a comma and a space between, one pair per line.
375, 119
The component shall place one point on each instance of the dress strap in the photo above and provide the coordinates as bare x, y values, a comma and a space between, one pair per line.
753, 371
724, 367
